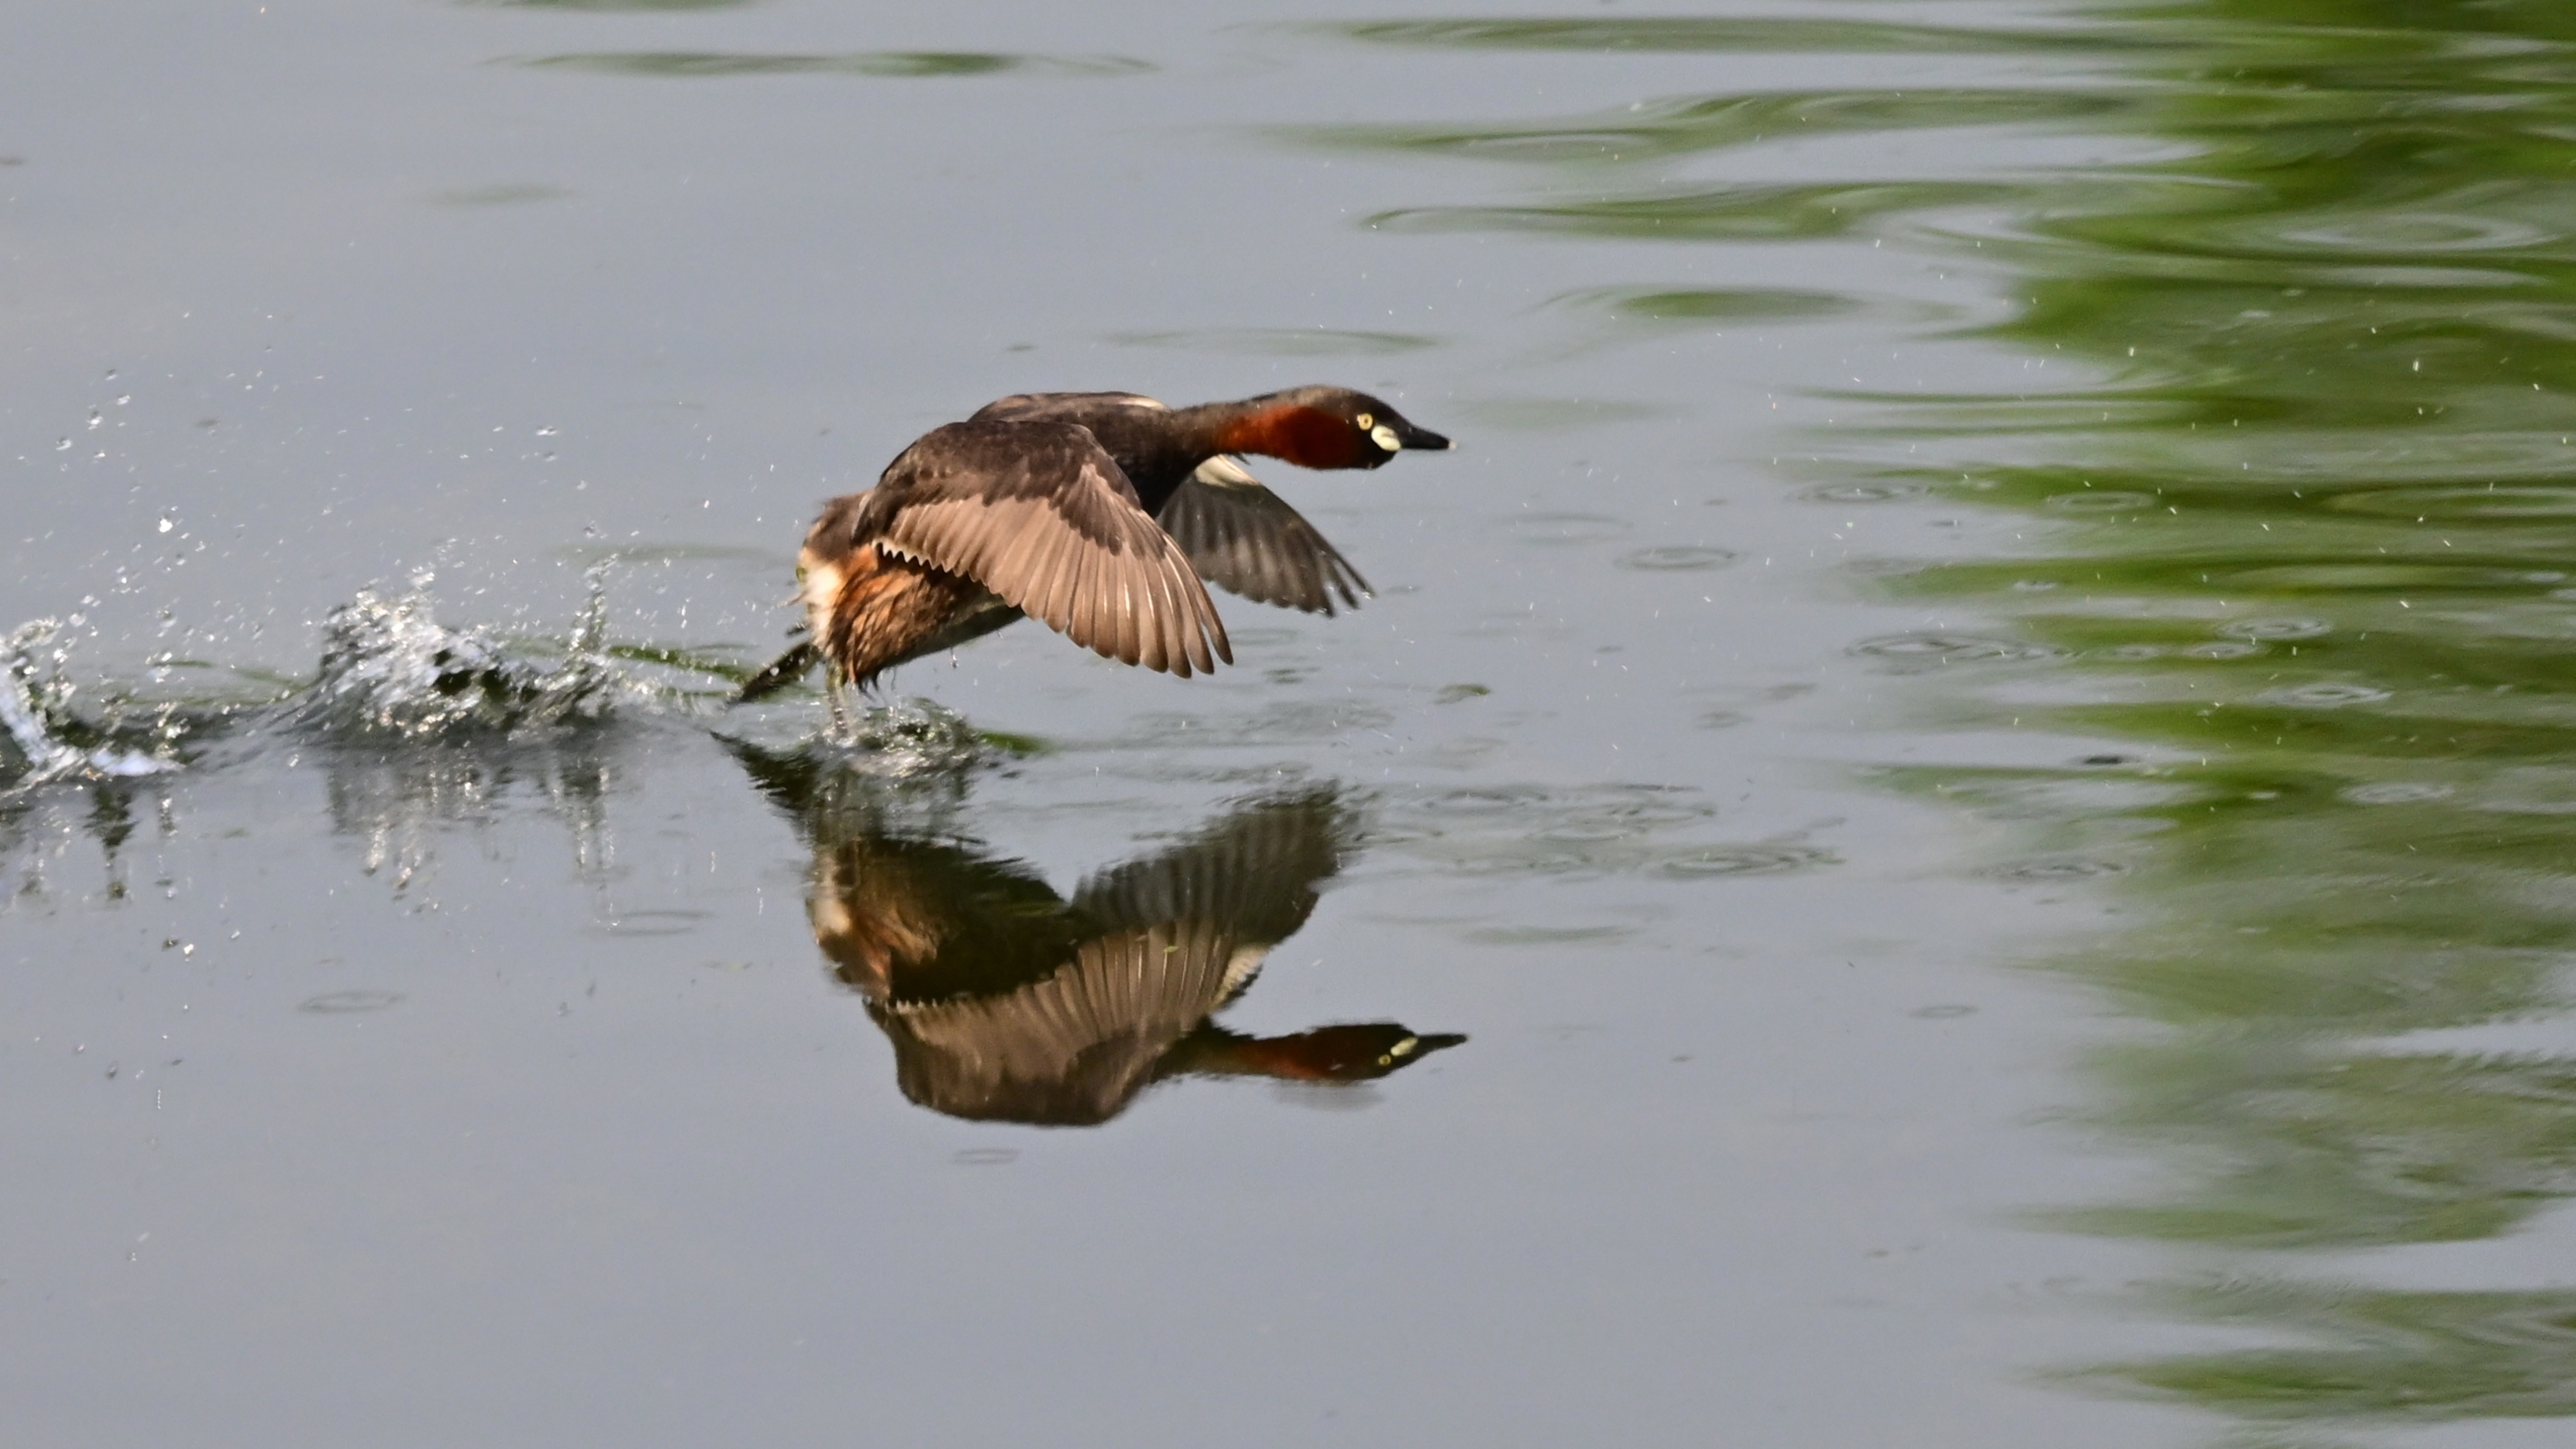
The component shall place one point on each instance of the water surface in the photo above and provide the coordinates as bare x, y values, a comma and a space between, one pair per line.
1949, 814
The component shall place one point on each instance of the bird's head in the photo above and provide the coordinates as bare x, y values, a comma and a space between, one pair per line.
1326, 427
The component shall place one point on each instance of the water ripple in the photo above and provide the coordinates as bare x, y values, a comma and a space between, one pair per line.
1735, 34
900, 64
1678, 558
1933, 649
2326, 695
1745, 212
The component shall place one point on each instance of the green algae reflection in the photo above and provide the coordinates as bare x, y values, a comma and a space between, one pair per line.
2298, 558
2307, 547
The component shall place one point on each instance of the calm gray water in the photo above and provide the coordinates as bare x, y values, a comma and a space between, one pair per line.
1949, 824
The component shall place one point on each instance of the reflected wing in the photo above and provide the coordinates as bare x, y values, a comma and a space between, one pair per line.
1246, 540
1069, 1050
1005, 1003
1037, 513
1251, 877
907, 920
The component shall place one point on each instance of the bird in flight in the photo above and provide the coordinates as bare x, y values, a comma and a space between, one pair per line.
1095, 513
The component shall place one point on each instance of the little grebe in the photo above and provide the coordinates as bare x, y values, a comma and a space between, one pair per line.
1097, 513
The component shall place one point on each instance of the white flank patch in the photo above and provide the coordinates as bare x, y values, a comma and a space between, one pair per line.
1224, 472
822, 586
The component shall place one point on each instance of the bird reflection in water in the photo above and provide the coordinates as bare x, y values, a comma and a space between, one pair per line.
1008, 1002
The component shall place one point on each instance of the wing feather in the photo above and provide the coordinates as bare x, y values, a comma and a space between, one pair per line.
1090, 611
1176, 637
1023, 407
1064, 577
1046, 579
1207, 645
1163, 630
1170, 639
1039, 514
1127, 612
1213, 645
1246, 540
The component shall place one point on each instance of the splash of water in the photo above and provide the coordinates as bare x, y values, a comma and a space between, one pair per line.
903, 741
389, 669
35, 707
389, 666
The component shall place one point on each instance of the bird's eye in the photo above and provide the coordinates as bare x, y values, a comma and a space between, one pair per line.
1365, 422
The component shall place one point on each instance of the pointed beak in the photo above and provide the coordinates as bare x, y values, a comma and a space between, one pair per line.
1421, 439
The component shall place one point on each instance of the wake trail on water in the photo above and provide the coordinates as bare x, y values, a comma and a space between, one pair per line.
392, 676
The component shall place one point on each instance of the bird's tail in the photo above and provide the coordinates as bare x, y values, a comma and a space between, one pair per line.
783, 671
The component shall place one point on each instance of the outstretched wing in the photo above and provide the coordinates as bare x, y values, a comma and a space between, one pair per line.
1025, 407
1246, 540
1040, 515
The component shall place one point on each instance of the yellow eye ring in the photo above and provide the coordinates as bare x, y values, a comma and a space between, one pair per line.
1365, 421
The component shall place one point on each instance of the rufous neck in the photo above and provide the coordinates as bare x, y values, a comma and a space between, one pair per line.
1272, 428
